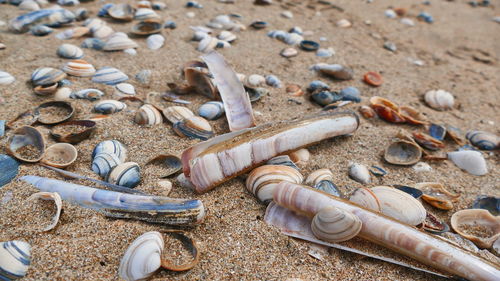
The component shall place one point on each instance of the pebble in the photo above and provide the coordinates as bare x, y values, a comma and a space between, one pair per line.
287, 14
289, 52
325, 53
407, 21
170, 24
166, 187
390, 46
2, 46
343, 23
130, 51
190, 15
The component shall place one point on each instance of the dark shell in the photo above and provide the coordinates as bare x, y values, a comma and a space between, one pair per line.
171, 163
489, 203
416, 193
9, 168
255, 93
325, 97
455, 134
47, 120
23, 137
76, 136
434, 225
259, 24
351, 94
146, 27
377, 171
309, 46
437, 131
483, 140
427, 141
317, 85
282, 160
329, 187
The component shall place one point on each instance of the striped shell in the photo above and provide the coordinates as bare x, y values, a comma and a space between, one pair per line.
142, 258
88, 94
211, 110
127, 174
16, 259
44, 76
123, 12
155, 41
6, 78
79, 68
333, 224
41, 30
112, 147
176, 114
282, 160
119, 41
262, 180
9, 167
109, 76
319, 175
483, 140
109, 106
194, 128
104, 162
148, 115
439, 99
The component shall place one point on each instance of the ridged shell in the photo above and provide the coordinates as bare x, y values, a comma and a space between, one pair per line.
402, 152
399, 205
45, 90
104, 162
142, 258
44, 76
79, 68
489, 226
436, 195
109, 106
211, 110
359, 173
119, 41
471, 161
336, 71
332, 224
88, 94
127, 174
480, 139
16, 259
366, 198
176, 114
319, 175
50, 17
194, 128
60, 155
26, 136
41, 30
112, 147
148, 115
439, 99
123, 12
262, 180
124, 90
282, 160
9, 168
109, 76
155, 41
6, 78
147, 27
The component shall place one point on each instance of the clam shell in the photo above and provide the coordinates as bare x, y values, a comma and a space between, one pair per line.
273, 81
60, 155
176, 114
471, 161
262, 180
329, 187
226, 36
112, 147
76, 32
119, 41
319, 175
490, 203
145, 14
412, 115
127, 174
294, 90
123, 12
487, 226
24, 119
45, 76
9, 168
142, 258
386, 110
336, 71
207, 44
23, 137
155, 41
45, 90
300, 156
63, 94
104, 162
109, 106
366, 198
170, 164
282, 160
439, 99
79, 68
103, 32
64, 112
197, 77
41, 30
50, 17
16, 259
88, 94
81, 14
359, 173
325, 97
402, 152
109, 76
480, 139
437, 131
125, 89
317, 85
437, 195
211, 110
148, 115
83, 130
427, 141
93, 43
29, 5
399, 205
146, 27
6, 78
333, 224
434, 225
194, 127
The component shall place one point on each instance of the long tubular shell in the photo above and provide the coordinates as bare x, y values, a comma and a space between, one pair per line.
155, 209
219, 159
390, 233
236, 101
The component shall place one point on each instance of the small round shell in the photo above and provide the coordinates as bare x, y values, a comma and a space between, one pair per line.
483, 140
45, 90
41, 30
402, 152
113, 147
336, 71
16, 259
26, 144
142, 258
359, 173
69, 51
6, 78
155, 41
125, 90
211, 110
148, 115
145, 14
194, 127
127, 174
44, 76
262, 180
104, 162
273, 81
176, 114
109, 106
477, 225
439, 99
60, 155
300, 156
79, 68
335, 225
109, 76
255, 80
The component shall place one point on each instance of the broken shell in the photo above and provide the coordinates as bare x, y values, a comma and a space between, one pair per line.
366, 198
282, 160
26, 118
439, 99
155, 41
402, 152
127, 174
112, 147
147, 27
16, 259
57, 201
333, 224
294, 90
386, 110
489, 203
60, 155
197, 76
336, 71
104, 162
477, 225
148, 115
471, 161
194, 127
412, 116
109, 76
119, 41
88, 94
69, 51
6, 78
79, 68
483, 140
300, 156
434, 225
142, 258
46, 90
437, 131
367, 112
262, 180
359, 173
373, 78
455, 134
26, 144
109, 106
45, 76
329, 187
427, 141
211, 110
9, 168
255, 80
122, 12
54, 112
170, 164
176, 114
436, 195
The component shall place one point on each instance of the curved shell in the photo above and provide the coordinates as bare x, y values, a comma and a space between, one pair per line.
386, 110
480, 139
226, 36
145, 14
93, 43
366, 198
211, 110
147, 27
176, 114
88, 94
142, 258
282, 160
73, 33
119, 41
123, 12
194, 127
60, 155
399, 205
436, 195
109, 106
336, 71
127, 174
477, 225
166, 164
332, 224
73, 131
490, 203
148, 115
412, 115
367, 111
16, 259
79, 68
6, 78
26, 144
54, 112
41, 30
104, 162
273, 81
113, 147
44, 76
300, 156
198, 78
46, 90
9, 168
155, 41
359, 173
69, 51
325, 97
262, 180
402, 152
427, 141
109, 76
439, 99
319, 175
255, 80
471, 161
51, 17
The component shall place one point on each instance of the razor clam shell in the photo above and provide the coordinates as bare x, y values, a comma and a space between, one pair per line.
127, 174
57, 201
104, 162
155, 209
148, 115
9, 168
45, 76
262, 180
142, 258
109, 76
16, 259
79, 68
236, 102
211, 110
471, 161
113, 147
109, 106
210, 163
480, 139
88, 94
6, 78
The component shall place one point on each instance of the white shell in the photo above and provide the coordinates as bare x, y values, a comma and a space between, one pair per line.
79, 68
148, 115
199, 35
29, 5
207, 44
102, 32
57, 201
145, 13
399, 205
176, 114
69, 51
155, 41
366, 198
359, 173
109, 76
16, 258
131, 52
439, 99
300, 156
422, 167
113, 147
333, 224
6, 78
125, 89
109, 106
63, 94
142, 258
88, 94
293, 39
319, 175
470, 161
119, 41
343, 23
211, 110
262, 180
127, 174
255, 80
104, 162
226, 36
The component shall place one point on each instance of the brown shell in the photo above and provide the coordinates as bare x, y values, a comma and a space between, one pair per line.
46, 119
60, 155
367, 112
437, 195
402, 152
83, 131
386, 110
489, 226
427, 141
170, 162
45, 90
412, 116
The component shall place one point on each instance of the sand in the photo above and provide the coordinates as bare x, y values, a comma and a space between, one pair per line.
460, 52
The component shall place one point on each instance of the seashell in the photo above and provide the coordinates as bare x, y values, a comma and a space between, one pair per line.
45, 76
490, 203
57, 201
60, 155
158, 6
329, 187
200, 35
207, 44
109, 106
434, 225
79, 68
142, 258
455, 134
226, 36
68, 2
147, 27
412, 116
211, 110
168, 164
477, 225
26, 144
45, 90
88, 94
386, 110
366, 198
69, 51
49, 17
16, 259
436, 195
127, 174
93, 24
318, 176
325, 98
262, 180
166, 186
145, 14
402, 152
294, 90
103, 32
439, 99
427, 141
422, 167
309, 46
148, 115
6, 78
416, 193
325, 53
336, 71
377, 171
194, 127
9, 168
76, 32
24, 119
273, 81
176, 114
255, 80
333, 224
471, 161
437, 131
289, 52
373, 78
93, 43
343, 23
112, 147
351, 94
41, 30
73, 131
359, 173
198, 78
300, 156
119, 41
282, 160
143, 76
259, 24
144, 4
29, 5
292, 39
480, 139
109, 76
254, 94
124, 90
317, 85
81, 14
155, 41
54, 112
104, 162
121, 12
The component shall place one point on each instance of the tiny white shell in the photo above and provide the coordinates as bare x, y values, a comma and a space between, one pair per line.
119, 41
470, 161
359, 173
131, 52
6, 78
124, 89
29, 5
226, 36
439, 99
142, 258
69, 51
155, 41
343, 23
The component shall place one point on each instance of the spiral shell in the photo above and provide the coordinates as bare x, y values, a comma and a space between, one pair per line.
333, 224
489, 224
104, 162
483, 140
44, 76
79, 68
119, 41
439, 99
194, 127
142, 258
109, 106
16, 259
127, 174
211, 110
262, 180
176, 114
148, 115
6, 78
112, 147
109, 76
69, 51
